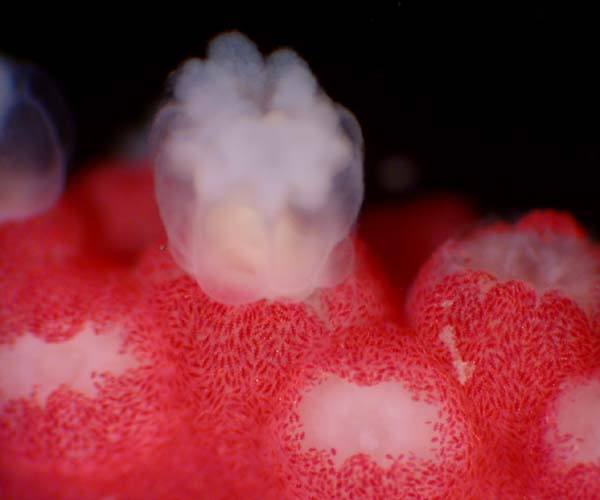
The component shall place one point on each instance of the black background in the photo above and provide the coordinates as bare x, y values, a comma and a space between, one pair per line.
497, 103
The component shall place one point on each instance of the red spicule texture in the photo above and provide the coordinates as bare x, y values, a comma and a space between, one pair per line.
369, 355
210, 411
524, 345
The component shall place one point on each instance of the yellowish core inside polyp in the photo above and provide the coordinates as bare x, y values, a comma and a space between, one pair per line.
239, 235
382, 421
32, 365
279, 257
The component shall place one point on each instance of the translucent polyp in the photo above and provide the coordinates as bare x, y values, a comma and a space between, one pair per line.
34, 139
258, 175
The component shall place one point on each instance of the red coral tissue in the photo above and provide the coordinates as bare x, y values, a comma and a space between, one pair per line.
121, 379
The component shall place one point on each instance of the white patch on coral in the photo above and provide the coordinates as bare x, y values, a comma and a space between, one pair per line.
464, 369
382, 420
31, 365
576, 434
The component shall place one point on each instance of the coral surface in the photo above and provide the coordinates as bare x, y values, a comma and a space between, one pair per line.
121, 379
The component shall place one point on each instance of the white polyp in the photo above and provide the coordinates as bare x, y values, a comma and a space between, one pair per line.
32, 364
258, 174
382, 421
32, 157
576, 436
552, 263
